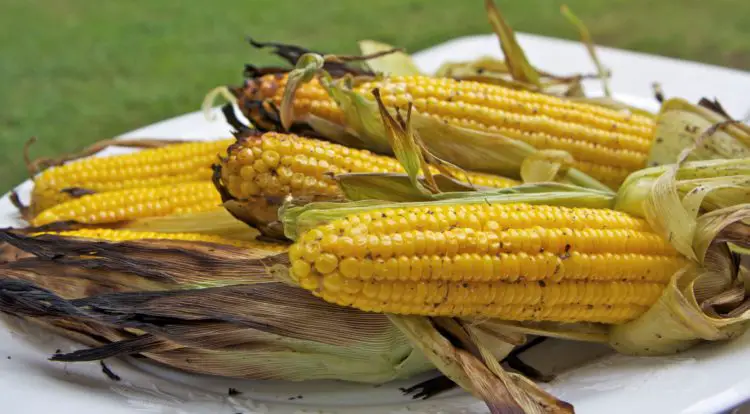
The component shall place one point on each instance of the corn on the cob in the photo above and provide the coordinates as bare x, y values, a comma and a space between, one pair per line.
134, 203
606, 144
172, 164
279, 164
120, 235
513, 261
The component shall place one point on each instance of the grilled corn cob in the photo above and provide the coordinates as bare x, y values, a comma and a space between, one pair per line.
172, 164
134, 203
606, 144
275, 164
512, 261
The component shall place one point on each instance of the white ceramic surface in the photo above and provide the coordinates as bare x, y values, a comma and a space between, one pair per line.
612, 384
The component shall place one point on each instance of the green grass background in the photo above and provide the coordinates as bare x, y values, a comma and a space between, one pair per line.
76, 71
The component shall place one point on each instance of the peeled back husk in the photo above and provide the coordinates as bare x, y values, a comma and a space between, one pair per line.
680, 125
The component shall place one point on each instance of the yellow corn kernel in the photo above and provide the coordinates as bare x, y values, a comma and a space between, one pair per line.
290, 164
135, 203
172, 164
534, 262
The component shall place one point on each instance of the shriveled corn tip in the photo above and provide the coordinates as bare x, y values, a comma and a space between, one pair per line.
276, 164
118, 235
512, 261
607, 144
172, 164
135, 203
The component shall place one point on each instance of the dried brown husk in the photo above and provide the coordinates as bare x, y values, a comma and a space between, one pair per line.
231, 320
186, 264
475, 367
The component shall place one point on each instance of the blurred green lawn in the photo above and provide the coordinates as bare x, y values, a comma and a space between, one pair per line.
76, 71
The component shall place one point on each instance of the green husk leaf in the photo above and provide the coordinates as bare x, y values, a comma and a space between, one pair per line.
681, 125
403, 142
218, 222
360, 113
545, 165
723, 183
589, 43
210, 99
335, 132
678, 226
392, 187
515, 58
554, 165
651, 192
308, 65
298, 219
394, 64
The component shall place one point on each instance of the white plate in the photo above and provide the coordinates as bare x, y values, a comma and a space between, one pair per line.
705, 379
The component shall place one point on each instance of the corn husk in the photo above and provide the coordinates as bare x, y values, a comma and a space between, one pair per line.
720, 183
393, 64
198, 307
217, 222
681, 125
475, 368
